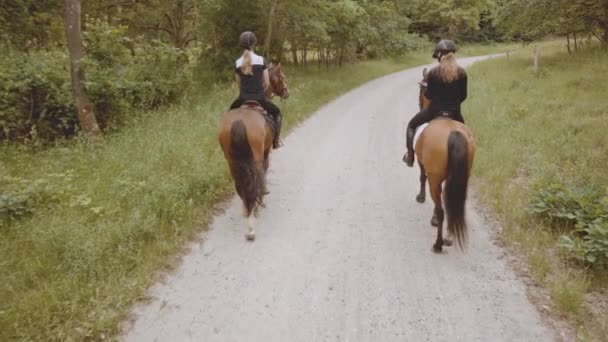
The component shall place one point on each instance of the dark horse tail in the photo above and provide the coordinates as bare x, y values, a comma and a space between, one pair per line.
249, 179
455, 190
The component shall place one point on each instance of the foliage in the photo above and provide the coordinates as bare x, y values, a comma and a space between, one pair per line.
35, 92
452, 19
592, 247
586, 213
529, 20
573, 209
30, 24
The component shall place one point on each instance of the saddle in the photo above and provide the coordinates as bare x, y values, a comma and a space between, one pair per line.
255, 105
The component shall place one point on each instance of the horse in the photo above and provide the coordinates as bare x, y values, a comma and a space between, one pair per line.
445, 150
245, 136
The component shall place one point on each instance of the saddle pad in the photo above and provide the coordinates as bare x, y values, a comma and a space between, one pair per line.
418, 132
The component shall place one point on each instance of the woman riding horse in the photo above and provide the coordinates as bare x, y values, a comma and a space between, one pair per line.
253, 79
446, 89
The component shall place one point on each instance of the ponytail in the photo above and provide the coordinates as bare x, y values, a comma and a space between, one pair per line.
246, 67
448, 68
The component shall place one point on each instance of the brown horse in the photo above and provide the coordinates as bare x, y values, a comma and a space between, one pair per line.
445, 150
245, 136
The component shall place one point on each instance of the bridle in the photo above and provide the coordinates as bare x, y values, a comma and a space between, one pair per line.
279, 86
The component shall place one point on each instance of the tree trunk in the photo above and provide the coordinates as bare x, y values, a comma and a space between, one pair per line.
575, 42
568, 40
294, 55
86, 114
269, 31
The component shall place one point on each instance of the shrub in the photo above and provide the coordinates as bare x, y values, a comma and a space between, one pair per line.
585, 213
122, 74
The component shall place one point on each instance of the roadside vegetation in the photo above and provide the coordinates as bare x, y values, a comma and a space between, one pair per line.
542, 168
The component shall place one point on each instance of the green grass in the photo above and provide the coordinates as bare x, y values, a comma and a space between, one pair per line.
536, 128
487, 48
106, 217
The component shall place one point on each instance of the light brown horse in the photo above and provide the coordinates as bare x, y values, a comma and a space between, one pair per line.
245, 136
445, 150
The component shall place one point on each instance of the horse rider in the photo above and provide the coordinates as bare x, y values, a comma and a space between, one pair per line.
251, 74
446, 89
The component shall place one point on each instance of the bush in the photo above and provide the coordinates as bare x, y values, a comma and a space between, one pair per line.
585, 213
122, 74
22, 197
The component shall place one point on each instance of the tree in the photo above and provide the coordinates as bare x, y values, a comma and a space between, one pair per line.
533, 19
448, 18
84, 106
30, 24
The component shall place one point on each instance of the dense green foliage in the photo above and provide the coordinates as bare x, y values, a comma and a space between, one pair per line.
35, 97
144, 54
533, 19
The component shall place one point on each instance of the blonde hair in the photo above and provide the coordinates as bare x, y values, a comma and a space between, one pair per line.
246, 66
448, 68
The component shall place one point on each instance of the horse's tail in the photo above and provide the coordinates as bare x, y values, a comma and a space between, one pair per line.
455, 191
249, 178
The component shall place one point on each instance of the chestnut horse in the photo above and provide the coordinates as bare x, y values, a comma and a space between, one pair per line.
245, 135
445, 149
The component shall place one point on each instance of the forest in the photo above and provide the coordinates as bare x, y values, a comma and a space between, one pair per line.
125, 55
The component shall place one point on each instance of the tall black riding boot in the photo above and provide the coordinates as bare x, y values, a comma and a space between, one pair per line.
408, 158
276, 143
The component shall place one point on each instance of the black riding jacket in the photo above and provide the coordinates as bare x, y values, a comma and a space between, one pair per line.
446, 96
252, 86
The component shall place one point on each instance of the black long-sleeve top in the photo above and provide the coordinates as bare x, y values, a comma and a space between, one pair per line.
446, 96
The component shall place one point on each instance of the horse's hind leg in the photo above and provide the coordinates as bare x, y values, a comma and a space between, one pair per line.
438, 213
251, 227
422, 195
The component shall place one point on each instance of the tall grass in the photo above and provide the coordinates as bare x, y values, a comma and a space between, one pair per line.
101, 219
534, 129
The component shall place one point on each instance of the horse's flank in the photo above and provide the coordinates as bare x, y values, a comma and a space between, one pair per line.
435, 159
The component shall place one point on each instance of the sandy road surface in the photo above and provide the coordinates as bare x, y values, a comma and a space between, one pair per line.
343, 250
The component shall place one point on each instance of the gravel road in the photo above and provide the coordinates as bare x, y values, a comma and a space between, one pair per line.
343, 250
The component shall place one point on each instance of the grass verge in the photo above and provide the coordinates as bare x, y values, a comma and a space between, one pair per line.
533, 130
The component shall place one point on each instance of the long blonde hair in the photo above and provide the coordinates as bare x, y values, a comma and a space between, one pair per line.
448, 68
246, 66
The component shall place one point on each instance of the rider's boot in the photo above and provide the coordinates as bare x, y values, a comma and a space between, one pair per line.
408, 157
276, 143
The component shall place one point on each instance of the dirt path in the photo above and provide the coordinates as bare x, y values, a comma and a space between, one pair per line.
343, 250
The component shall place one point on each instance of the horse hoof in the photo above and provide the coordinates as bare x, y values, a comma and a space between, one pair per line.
420, 198
447, 242
250, 236
434, 222
437, 249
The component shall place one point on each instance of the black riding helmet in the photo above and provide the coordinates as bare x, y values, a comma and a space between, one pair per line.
247, 40
444, 47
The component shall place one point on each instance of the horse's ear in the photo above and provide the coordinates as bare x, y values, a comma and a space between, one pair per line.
424, 72
279, 65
